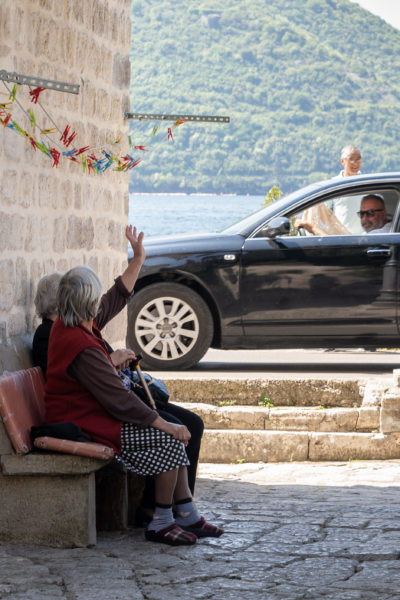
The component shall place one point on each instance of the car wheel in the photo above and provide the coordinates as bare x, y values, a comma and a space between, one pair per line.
170, 325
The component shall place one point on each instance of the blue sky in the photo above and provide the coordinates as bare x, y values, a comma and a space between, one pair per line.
389, 10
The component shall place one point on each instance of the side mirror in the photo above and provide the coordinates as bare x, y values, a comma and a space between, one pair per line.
276, 226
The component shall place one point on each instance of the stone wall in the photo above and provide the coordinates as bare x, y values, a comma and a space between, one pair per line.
55, 218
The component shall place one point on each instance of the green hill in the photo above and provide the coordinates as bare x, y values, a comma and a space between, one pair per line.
299, 80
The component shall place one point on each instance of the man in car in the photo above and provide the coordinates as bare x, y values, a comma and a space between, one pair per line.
373, 215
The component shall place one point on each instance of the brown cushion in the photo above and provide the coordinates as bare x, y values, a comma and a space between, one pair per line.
22, 405
90, 449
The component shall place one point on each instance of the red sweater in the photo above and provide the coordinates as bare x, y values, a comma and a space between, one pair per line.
65, 398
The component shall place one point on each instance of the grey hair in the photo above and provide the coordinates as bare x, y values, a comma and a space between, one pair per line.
349, 149
78, 296
46, 294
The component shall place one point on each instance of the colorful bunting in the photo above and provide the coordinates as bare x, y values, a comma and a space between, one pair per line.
92, 163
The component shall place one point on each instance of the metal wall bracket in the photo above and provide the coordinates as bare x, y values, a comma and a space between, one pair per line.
50, 84
158, 117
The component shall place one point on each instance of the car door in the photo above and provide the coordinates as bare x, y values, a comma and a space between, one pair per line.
307, 290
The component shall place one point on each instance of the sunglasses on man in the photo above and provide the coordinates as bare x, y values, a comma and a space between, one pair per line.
369, 213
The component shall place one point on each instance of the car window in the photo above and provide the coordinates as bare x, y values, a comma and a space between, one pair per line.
340, 215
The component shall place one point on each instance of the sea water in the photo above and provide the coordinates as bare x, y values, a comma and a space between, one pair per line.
165, 214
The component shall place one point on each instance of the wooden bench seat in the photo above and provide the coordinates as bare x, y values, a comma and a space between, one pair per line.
46, 497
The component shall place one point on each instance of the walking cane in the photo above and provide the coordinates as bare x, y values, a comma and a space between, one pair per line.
135, 365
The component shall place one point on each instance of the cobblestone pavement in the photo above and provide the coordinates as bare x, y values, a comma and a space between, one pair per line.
326, 531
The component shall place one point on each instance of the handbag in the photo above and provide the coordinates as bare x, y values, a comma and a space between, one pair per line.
157, 388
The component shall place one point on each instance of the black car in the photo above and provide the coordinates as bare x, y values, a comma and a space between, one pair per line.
266, 283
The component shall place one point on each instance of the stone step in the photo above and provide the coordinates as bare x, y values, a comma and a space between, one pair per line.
237, 390
232, 446
293, 418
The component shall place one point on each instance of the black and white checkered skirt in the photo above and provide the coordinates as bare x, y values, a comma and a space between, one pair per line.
150, 451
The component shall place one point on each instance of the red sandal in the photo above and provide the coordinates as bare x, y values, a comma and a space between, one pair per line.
172, 535
203, 529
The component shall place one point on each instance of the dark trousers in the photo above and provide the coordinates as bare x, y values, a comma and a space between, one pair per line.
182, 416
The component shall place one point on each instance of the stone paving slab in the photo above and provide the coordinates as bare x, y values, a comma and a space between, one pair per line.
316, 531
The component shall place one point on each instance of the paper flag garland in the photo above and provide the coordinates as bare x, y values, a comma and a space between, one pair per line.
90, 162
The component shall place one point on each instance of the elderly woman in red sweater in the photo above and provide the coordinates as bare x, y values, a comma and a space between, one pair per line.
84, 387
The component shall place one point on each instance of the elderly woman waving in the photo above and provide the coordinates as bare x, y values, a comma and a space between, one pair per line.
83, 387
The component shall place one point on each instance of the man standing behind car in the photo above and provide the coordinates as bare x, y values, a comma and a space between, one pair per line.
373, 215
345, 208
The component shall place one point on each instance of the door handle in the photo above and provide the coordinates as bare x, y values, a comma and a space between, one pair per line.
379, 252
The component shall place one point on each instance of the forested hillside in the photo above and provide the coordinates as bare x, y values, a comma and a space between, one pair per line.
298, 79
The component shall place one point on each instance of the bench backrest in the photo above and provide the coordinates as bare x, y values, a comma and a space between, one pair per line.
22, 405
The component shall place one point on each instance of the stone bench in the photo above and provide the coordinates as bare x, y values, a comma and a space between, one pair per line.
48, 493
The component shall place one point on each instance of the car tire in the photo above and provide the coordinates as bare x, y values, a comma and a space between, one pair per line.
170, 325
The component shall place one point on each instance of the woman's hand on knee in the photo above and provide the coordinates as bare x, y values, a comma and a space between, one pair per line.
180, 432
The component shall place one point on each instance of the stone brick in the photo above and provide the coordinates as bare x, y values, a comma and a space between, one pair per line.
19, 32
87, 234
45, 199
9, 188
21, 280
65, 195
100, 233
27, 191
49, 265
107, 201
98, 18
5, 20
69, 43
121, 71
94, 263
81, 47
45, 234
87, 199
113, 21
5, 50
62, 265
114, 233
4, 230
16, 234
54, 49
77, 196
46, 4
74, 232
7, 284
104, 271
32, 233
396, 378
77, 10
103, 105
60, 234
390, 412
16, 323
14, 144
36, 270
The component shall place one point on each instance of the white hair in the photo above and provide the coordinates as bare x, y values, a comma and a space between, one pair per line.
46, 294
349, 149
78, 296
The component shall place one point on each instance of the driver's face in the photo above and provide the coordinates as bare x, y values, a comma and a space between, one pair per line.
375, 221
